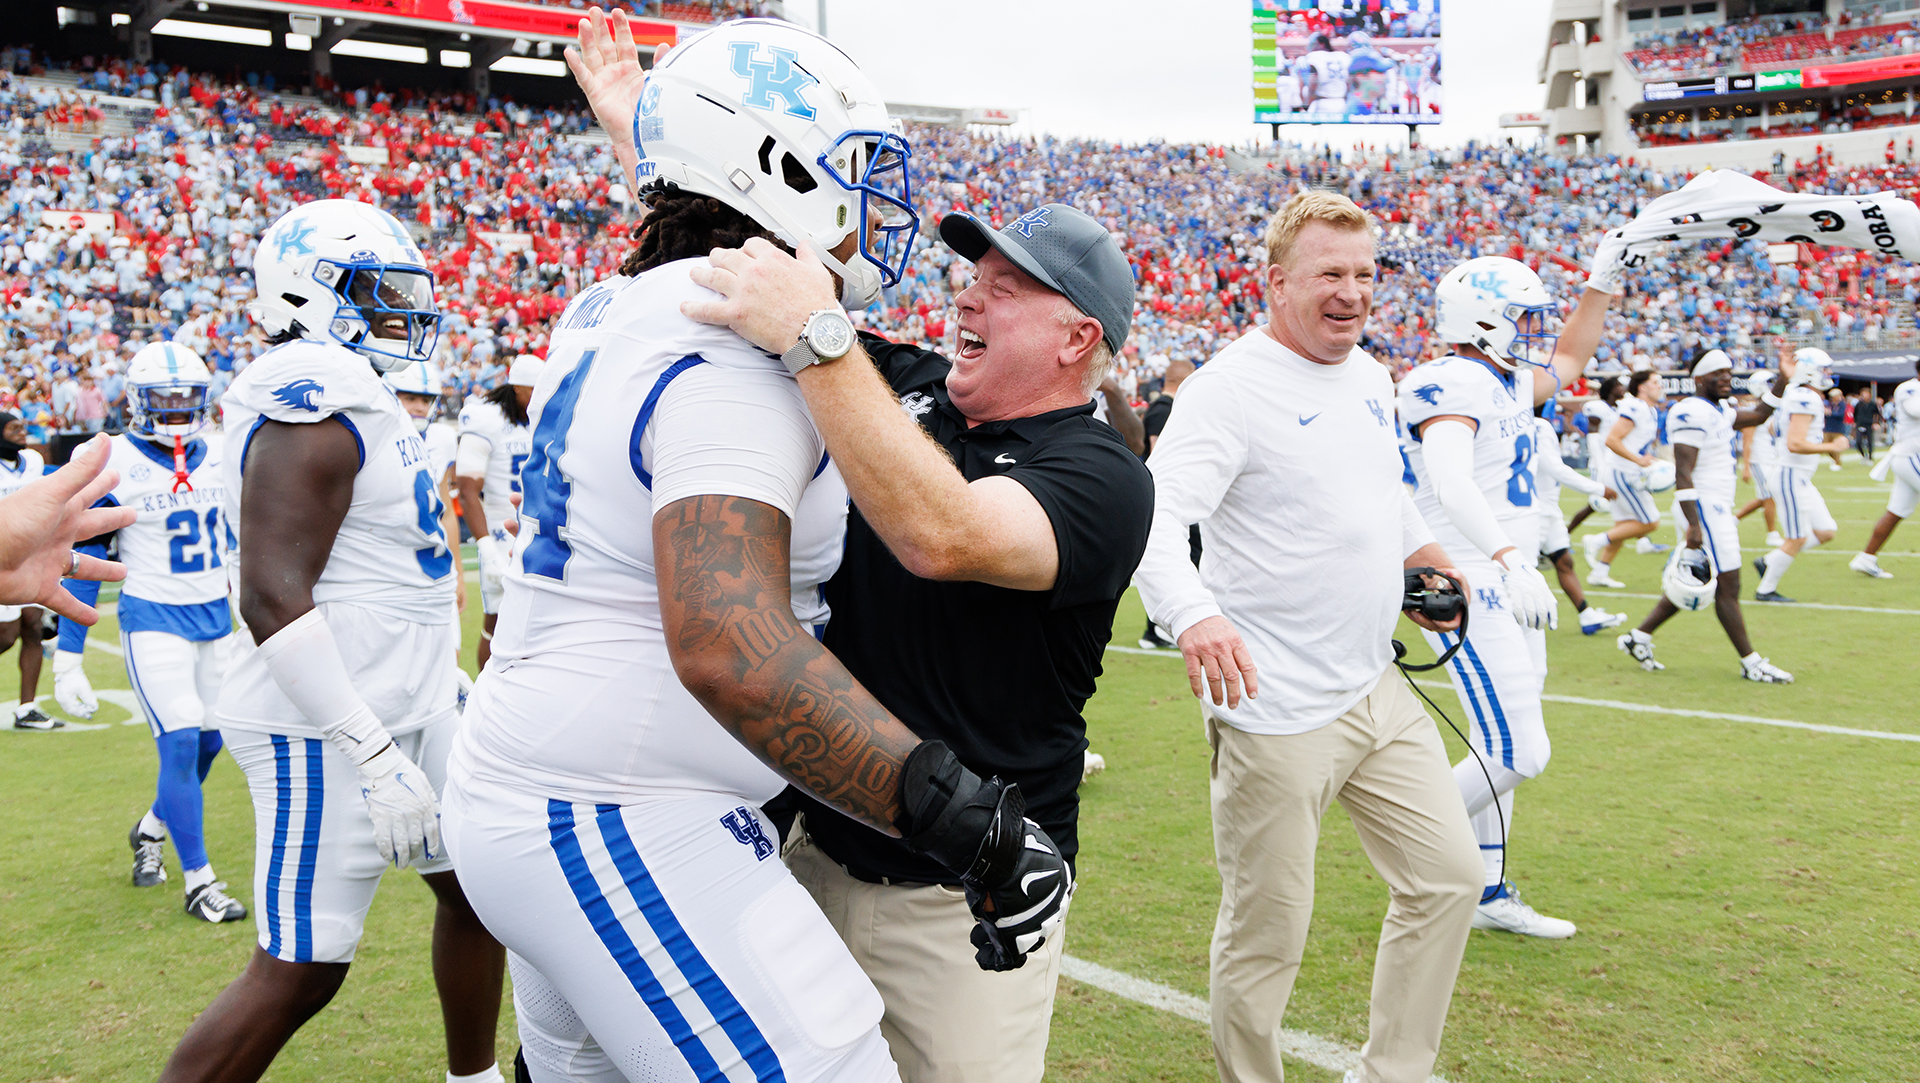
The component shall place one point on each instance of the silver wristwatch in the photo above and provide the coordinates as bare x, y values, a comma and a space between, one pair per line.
828, 335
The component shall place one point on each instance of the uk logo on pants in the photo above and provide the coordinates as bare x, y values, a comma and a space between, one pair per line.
748, 832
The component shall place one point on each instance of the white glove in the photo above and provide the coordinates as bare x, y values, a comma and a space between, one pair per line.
1534, 606
1611, 261
493, 563
71, 689
406, 815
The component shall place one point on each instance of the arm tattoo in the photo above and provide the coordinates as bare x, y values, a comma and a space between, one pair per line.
722, 566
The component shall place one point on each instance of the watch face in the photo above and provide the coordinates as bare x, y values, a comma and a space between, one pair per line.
831, 335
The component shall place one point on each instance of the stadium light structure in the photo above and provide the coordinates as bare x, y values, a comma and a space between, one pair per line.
232, 35
527, 65
299, 43
380, 50
456, 58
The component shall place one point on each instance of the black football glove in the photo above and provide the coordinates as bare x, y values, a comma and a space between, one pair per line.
979, 830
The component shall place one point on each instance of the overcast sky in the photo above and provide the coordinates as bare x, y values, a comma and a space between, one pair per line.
1146, 69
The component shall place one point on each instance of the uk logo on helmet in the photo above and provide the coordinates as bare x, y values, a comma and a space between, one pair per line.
292, 240
777, 78
299, 395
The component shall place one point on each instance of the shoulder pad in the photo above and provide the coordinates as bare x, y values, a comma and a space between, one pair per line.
302, 382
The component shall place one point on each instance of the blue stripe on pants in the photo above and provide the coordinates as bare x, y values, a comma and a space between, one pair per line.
309, 856
586, 890
725, 1008
1473, 698
282, 815
1493, 701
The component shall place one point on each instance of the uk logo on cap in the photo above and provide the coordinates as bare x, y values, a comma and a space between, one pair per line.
1033, 220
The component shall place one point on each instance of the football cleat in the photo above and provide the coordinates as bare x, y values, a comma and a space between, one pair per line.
1639, 648
1764, 672
1869, 565
211, 903
1774, 540
1591, 545
1595, 619
1771, 596
149, 870
1507, 914
1152, 640
29, 717
1598, 578
1647, 546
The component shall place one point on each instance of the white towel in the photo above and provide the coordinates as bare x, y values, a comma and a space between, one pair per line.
1723, 203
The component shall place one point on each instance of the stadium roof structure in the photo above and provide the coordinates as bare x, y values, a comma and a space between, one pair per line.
1778, 95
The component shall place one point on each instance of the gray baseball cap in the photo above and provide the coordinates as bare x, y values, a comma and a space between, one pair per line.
1067, 251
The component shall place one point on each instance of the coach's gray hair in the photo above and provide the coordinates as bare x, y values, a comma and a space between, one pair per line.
1100, 361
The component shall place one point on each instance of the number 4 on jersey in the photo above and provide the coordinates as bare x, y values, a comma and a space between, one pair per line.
545, 489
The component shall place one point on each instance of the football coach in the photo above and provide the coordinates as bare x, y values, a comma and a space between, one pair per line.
1285, 452
995, 524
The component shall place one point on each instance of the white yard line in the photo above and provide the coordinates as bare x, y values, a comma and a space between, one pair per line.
1298, 1044
1644, 708
1601, 592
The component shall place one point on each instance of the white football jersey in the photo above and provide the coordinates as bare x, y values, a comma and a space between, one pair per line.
1550, 471
176, 550
1798, 400
1329, 71
1646, 426
442, 441
1708, 426
508, 446
637, 408
389, 567
1904, 412
1600, 418
27, 466
1504, 443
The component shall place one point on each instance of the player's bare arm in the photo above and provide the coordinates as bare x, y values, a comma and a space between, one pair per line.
1121, 416
724, 601
1798, 426
1617, 442
939, 525
299, 485
1685, 456
1579, 337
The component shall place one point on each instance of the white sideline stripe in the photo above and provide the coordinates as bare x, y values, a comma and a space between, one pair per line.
1645, 708
97, 644
1777, 605
1298, 1044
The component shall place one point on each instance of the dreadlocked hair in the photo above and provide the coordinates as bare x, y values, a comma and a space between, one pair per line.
686, 225
509, 404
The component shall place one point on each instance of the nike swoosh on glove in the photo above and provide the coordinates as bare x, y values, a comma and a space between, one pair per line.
1534, 605
1028, 882
406, 815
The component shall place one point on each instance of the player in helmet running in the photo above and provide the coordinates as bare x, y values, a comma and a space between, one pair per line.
1551, 472
656, 677
1630, 461
1903, 461
175, 623
1804, 518
341, 701
1758, 464
494, 444
1473, 443
19, 466
1702, 427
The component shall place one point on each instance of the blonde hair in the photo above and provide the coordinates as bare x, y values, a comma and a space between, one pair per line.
1332, 208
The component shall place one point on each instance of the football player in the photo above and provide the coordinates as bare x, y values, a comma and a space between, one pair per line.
1702, 428
339, 705
1903, 461
19, 465
417, 386
1322, 71
1630, 457
1470, 415
175, 624
1551, 473
1599, 413
1757, 465
656, 678
494, 444
1804, 518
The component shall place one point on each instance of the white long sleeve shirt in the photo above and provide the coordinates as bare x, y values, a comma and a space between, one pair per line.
1293, 472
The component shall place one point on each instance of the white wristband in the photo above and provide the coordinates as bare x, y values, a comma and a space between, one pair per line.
1685, 494
305, 663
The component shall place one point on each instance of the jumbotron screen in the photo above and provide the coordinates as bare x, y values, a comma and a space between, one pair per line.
1346, 61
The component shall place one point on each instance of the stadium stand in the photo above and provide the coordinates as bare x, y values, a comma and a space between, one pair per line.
129, 219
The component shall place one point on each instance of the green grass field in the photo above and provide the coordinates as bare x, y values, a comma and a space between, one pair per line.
1745, 893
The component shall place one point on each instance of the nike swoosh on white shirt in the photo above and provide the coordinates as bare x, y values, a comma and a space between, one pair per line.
1004, 459
1309, 420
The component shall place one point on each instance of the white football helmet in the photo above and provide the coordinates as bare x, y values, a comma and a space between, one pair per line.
1688, 580
779, 124
1660, 476
167, 392
1811, 366
1499, 305
419, 378
339, 271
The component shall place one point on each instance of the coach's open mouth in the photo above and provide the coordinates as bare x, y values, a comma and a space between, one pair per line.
971, 344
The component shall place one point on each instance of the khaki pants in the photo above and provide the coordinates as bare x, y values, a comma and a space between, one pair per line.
1384, 763
947, 1021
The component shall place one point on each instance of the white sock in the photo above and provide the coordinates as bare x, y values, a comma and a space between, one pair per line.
198, 878
1640, 636
1778, 562
1602, 569
1749, 661
153, 826
1491, 826
491, 1075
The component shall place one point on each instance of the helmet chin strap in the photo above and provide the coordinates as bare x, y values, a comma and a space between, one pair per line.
1485, 345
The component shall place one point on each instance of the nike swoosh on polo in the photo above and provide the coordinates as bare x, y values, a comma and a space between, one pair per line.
1309, 420
1005, 459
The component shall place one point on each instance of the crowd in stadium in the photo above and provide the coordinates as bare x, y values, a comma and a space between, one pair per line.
521, 208
1764, 41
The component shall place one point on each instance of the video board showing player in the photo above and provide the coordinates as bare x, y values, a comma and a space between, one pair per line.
1346, 61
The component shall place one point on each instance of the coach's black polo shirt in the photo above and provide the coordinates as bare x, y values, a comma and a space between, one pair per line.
1000, 675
